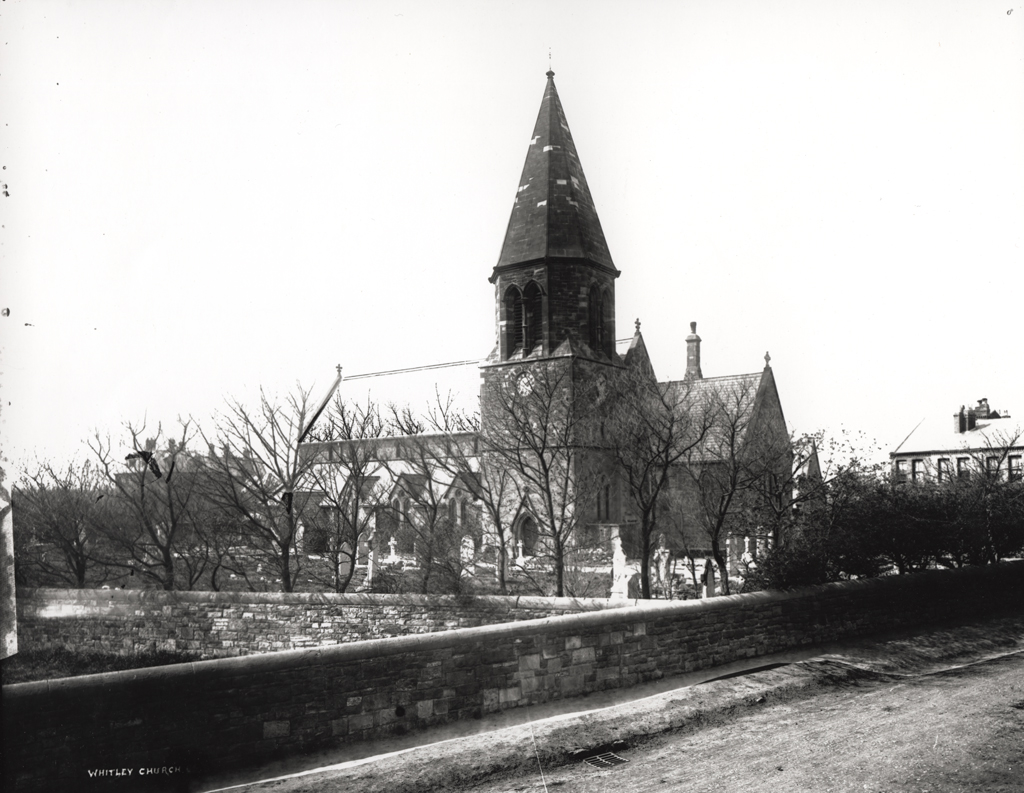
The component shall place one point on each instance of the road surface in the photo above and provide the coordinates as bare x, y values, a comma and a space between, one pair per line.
939, 711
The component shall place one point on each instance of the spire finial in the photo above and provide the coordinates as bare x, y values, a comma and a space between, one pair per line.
338, 369
637, 323
767, 360
550, 73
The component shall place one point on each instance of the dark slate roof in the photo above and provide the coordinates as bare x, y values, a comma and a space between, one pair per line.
731, 385
412, 484
554, 214
466, 481
739, 396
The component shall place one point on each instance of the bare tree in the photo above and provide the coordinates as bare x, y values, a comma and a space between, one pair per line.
677, 518
539, 425
222, 537
258, 474
57, 526
650, 429
490, 484
346, 477
154, 490
813, 523
726, 468
424, 515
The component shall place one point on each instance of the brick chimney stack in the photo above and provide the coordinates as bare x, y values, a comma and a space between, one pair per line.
967, 419
693, 355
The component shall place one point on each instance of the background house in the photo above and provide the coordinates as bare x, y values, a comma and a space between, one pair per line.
979, 439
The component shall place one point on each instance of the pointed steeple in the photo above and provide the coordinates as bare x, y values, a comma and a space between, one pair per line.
554, 216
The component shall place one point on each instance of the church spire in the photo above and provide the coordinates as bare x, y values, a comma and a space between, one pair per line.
554, 282
554, 216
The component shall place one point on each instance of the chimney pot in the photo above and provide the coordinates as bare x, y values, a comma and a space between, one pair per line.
693, 371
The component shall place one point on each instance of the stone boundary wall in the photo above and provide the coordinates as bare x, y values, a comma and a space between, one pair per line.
220, 624
248, 710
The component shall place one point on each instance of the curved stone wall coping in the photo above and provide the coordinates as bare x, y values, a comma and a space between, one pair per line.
632, 611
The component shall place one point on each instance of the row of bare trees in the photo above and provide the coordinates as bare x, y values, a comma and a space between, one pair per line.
195, 510
530, 489
538, 468
179, 510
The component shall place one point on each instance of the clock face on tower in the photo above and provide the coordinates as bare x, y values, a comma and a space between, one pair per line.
524, 385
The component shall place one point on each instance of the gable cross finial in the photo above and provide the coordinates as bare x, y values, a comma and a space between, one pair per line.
637, 323
767, 360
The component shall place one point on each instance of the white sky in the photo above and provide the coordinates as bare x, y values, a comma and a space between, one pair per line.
209, 197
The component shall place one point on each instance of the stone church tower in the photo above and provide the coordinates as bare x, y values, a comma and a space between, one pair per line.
554, 292
554, 280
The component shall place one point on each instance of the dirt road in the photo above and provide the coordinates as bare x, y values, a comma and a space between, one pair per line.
962, 730
941, 711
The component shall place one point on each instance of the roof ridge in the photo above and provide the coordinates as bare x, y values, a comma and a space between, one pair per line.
716, 377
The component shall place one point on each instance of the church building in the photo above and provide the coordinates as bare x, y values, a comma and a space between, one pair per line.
555, 347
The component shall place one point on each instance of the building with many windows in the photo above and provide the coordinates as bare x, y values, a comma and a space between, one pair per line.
978, 440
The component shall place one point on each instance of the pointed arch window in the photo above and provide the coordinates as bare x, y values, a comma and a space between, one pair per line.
406, 531
528, 535
513, 316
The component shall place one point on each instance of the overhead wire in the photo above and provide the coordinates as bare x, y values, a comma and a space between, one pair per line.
411, 369
386, 372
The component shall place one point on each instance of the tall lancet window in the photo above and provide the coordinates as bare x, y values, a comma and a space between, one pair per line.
513, 321
532, 317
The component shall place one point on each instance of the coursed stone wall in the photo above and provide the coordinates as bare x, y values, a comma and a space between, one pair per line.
247, 710
220, 624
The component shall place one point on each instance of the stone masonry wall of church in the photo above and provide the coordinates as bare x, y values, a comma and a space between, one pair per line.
234, 712
569, 286
221, 624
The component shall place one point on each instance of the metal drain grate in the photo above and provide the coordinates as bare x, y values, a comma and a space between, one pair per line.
606, 760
